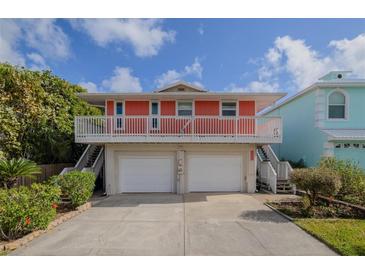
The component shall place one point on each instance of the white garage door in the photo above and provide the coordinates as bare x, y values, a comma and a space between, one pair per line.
146, 173
214, 172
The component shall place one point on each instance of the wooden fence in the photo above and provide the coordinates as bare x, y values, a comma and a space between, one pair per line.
46, 172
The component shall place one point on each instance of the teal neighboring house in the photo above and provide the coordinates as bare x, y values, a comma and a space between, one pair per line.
325, 119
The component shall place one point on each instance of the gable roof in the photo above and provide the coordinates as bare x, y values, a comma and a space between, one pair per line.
319, 84
174, 87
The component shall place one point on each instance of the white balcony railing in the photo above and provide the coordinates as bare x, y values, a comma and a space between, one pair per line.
175, 129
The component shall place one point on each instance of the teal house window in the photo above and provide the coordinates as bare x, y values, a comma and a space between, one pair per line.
337, 106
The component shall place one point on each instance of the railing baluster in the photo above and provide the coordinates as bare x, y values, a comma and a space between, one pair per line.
263, 129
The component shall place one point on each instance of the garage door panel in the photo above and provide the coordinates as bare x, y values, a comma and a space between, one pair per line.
146, 174
214, 173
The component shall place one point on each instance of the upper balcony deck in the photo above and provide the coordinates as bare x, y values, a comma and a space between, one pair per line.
178, 129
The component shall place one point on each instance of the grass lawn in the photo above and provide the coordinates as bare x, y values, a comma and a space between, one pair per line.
346, 236
3, 253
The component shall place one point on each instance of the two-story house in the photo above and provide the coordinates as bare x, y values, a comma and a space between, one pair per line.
325, 119
179, 139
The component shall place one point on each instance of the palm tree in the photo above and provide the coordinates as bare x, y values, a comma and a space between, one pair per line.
11, 170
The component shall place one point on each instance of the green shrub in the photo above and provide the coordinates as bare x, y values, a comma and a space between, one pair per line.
76, 185
352, 177
11, 170
27, 208
316, 181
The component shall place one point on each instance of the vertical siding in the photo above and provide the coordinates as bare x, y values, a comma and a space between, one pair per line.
167, 125
246, 108
110, 107
206, 107
168, 108
109, 111
137, 107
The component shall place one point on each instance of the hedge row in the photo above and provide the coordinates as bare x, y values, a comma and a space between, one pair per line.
27, 208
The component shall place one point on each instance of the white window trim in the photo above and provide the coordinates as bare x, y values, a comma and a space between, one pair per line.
347, 103
228, 101
185, 101
157, 116
159, 107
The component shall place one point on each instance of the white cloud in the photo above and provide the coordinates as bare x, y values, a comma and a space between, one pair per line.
89, 86
254, 86
350, 54
304, 65
171, 76
145, 35
197, 83
194, 69
37, 61
46, 37
122, 81
10, 34
43, 36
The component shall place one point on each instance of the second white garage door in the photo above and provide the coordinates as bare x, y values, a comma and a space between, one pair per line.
146, 173
214, 172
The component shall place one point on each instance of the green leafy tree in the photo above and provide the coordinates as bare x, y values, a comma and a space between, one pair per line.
12, 170
352, 178
37, 111
315, 181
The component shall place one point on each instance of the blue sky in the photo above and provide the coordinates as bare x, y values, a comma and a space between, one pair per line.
219, 54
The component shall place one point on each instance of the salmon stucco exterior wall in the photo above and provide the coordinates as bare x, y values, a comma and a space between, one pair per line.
110, 107
137, 107
247, 108
207, 108
168, 108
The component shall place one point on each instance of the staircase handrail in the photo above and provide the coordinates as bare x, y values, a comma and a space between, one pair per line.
84, 158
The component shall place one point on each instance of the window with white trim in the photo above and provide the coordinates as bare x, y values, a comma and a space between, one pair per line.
154, 112
337, 105
119, 111
185, 108
228, 108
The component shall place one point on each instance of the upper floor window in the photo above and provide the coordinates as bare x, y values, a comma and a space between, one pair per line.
119, 108
185, 108
119, 111
154, 108
154, 112
337, 105
228, 108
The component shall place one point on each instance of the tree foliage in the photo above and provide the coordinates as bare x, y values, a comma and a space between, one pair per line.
37, 111
352, 179
315, 181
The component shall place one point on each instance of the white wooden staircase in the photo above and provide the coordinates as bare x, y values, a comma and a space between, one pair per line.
92, 160
272, 174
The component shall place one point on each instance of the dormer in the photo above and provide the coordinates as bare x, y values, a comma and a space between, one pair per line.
336, 75
180, 86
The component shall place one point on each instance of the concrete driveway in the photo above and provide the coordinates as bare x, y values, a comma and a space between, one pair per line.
167, 224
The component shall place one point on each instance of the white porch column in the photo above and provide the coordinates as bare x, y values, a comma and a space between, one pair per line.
180, 176
109, 171
251, 169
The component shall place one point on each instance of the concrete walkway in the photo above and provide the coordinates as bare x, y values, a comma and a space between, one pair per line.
167, 224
